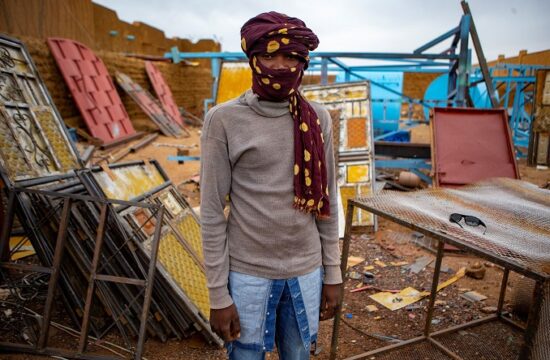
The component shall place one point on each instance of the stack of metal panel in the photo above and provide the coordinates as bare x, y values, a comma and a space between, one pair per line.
97, 233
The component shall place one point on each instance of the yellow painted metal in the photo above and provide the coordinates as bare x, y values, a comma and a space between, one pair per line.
357, 173
190, 229
184, 271
235, 78
128, 182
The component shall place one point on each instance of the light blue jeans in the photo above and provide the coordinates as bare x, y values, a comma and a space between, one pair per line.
285, 312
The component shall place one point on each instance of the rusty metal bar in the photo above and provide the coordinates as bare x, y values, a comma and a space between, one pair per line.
533, 322
121, 141
29, 349
120, 280
149, 284
6, 230
444, 349
343, 269
26, 267
465, 325
502, 294
388, 348
91, 282
58, 255
435, 283
85, 198
513, 323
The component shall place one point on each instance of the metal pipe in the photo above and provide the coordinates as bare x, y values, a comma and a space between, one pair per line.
435, 283
56, 267
343, 269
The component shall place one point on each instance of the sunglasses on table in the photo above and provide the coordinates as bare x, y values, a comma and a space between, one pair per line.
468, 220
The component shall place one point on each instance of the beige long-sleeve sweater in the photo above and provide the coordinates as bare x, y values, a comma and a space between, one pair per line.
247, 152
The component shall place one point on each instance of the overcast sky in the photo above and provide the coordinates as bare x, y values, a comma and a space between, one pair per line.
504, 26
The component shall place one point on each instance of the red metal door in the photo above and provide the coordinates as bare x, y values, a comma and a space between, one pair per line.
163, 92
93, 90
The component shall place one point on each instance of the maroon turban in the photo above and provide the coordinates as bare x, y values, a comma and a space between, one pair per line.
274, 33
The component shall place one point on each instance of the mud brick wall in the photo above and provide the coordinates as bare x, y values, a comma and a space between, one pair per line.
190, 85
93, 25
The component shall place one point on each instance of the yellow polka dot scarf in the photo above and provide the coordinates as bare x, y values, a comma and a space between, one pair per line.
273, 33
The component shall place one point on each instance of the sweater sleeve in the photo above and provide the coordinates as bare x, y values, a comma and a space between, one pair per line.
328, 229
215, 185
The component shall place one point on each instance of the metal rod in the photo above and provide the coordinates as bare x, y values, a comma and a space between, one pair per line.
121, 141
343, 269
462, 75
502, 294
465, 325
58, 255
23, 348
149, 284
120, 280
444, 349
480, 56
6, 228
435, 283
91, 282
26, 267
513, 323
85, 198
387, 348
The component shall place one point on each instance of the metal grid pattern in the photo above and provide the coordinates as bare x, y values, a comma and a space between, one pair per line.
180, 250
163, 91
166, 123
517, 215
541, 342
418, 351
499, 342
184, 270
93, 90
355, 130
33, 138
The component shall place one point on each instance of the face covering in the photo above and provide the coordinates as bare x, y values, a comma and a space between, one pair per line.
274, 33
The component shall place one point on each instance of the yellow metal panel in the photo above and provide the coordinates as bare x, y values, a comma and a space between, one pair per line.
235, 78
349, 192
59, 143
190, 229
184, 271
357, 173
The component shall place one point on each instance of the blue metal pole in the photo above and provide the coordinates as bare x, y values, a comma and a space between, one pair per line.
462, 78
324, 71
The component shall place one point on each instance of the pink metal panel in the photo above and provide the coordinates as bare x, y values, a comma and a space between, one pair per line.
470, 145
92, 89
167, 125
163, 91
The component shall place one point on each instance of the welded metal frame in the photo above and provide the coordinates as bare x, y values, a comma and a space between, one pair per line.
106, 205
443, 239
41, 99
